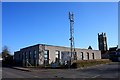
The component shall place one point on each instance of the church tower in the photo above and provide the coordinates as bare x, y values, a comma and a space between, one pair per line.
102, 42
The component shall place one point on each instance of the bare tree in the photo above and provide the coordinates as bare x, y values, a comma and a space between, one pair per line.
5, 52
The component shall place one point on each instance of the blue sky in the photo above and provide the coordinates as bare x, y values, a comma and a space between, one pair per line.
28, 23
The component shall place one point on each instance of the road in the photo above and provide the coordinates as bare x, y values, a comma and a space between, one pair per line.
111, 70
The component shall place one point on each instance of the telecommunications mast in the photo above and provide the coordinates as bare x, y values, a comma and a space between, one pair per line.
72, 45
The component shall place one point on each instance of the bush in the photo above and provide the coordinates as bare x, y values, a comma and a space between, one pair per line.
86, 63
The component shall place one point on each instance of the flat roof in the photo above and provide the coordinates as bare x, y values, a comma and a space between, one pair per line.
53, 46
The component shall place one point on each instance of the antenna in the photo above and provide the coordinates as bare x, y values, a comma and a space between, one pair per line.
72, 45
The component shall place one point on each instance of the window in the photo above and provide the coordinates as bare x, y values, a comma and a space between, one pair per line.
46, 57
22, 55
75, 55
25, 55
19, 56
34, 58
87, 55
29, 56
57, 55
93, 56
81, 56
46, 54
34, 54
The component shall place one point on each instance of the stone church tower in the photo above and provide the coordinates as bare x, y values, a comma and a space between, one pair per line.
102, 42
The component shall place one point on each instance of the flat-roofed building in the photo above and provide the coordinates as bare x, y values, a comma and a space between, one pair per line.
42, 54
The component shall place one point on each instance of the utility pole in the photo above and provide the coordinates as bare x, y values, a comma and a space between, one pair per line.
72, 46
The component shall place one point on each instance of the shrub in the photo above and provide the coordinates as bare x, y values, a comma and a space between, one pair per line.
86, 63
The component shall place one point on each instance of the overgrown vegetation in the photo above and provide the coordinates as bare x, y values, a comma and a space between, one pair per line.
76, 64
7, 57
86, 63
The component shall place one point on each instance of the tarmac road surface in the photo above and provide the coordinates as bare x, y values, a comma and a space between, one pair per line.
111, 70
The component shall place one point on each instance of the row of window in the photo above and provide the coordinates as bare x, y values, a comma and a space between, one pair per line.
46, 55
27, 55
82, 56
57, 55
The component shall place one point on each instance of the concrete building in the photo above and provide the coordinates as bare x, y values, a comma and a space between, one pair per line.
42, 54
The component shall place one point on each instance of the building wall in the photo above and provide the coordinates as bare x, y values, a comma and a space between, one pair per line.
26, 55
16, 56
52, 51
97, 54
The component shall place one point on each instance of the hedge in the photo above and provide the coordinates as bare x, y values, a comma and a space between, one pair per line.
86, 63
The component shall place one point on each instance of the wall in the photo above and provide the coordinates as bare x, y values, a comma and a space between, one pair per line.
23, 55
16, 56
97, 54
52, 50
40, 48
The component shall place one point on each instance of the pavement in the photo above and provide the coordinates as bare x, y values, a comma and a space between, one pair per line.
111, 70
21, 68
14, 67
37, 69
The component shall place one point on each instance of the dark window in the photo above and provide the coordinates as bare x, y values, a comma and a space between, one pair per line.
75, 55
87, 55
34, 58
22, 56
93, 56
25, 56
34, 54
19, 56
57, 57
82, 57
29, 56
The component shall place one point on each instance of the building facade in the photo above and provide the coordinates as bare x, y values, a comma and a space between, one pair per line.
102, 42
42, 54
